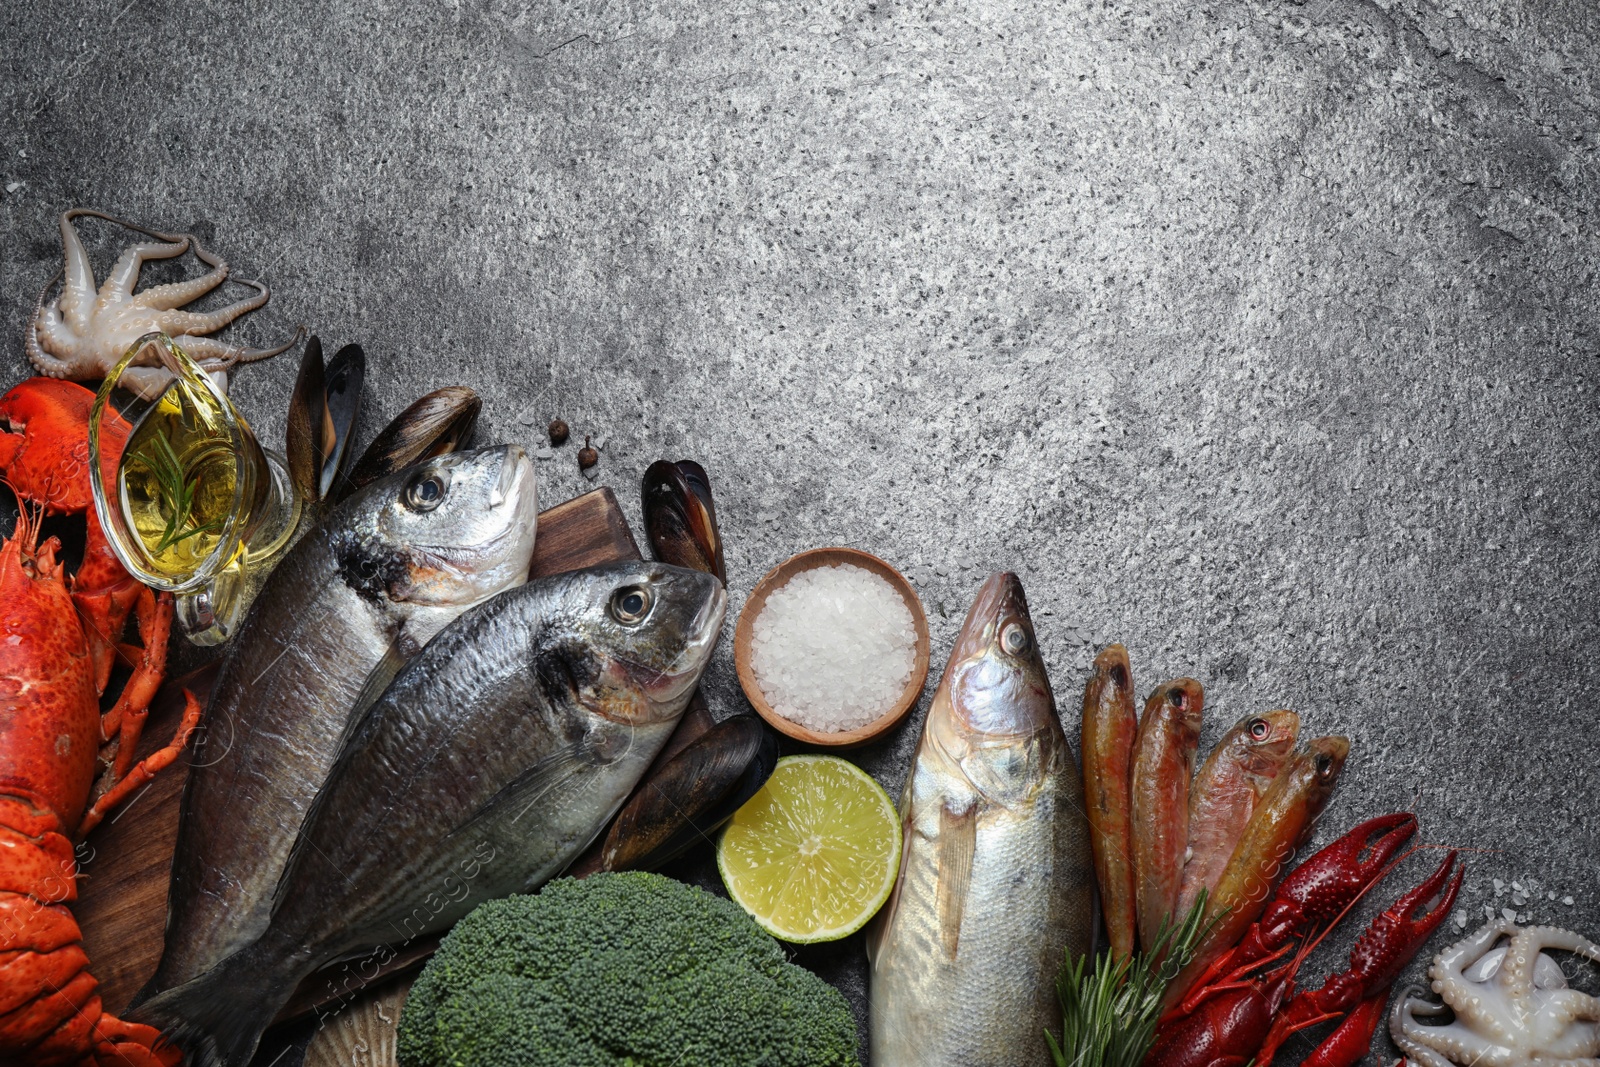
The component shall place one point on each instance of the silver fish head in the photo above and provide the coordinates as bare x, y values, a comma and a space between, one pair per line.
635, 638
446, 533
998, 684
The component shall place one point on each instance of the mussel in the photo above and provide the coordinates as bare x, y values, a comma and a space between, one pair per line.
322, 418
680, 518
707, 769
691, 795
442, 421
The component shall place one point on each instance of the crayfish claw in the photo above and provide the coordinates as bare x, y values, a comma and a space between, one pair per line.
1399, 933
1323, 886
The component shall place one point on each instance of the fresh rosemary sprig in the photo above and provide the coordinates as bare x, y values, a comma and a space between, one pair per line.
177, 495
1108, 1015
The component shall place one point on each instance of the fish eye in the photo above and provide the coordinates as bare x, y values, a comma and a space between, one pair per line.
1324, 766
1016, 640
1259, 729
426, 491
631, 604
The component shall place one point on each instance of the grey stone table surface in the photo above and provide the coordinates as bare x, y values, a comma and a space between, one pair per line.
1260, 336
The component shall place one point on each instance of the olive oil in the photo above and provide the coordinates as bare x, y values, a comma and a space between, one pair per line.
195, 506
179, 483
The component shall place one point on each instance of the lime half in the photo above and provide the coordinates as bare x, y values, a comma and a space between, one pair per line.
814, 854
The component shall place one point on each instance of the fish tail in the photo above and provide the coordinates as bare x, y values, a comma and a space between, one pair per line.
219, 1017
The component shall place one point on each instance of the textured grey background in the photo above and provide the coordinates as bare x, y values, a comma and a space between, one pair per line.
1260, 336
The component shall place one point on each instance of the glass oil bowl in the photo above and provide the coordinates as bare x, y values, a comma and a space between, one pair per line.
189, 500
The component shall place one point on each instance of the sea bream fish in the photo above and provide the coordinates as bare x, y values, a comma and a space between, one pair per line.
357, 596
995, 880
493, 759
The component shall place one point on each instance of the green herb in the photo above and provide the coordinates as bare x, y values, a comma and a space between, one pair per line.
1108, 1015
177, 495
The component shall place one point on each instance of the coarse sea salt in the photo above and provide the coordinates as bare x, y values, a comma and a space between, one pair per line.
833, 648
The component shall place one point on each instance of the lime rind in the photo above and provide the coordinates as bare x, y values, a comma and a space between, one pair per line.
814, 854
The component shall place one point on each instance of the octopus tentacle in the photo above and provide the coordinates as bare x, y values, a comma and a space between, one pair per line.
217, 355
44, 362
176, 294
193, 322
125, 272
1450, 963
147, 382
77, 290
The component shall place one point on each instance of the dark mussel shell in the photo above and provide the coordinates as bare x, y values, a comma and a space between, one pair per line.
691, 795
347, 370
443, 421
680, 518
322, 418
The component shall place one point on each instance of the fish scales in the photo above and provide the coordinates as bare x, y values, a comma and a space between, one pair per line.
493, 759
996, 876
373, 582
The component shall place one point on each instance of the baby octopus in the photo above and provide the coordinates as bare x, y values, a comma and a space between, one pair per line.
1511, 1002
82, 334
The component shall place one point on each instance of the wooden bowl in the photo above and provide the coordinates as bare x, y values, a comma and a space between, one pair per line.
776, 577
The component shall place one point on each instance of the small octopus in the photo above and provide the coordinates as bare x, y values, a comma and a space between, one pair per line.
1511, 1002
81, 334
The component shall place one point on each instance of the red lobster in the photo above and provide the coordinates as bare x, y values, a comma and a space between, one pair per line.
57, 647
1243, 1009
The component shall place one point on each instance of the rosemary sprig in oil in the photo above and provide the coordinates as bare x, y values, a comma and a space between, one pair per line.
176, 490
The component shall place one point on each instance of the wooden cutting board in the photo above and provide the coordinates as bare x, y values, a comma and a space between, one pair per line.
125, 863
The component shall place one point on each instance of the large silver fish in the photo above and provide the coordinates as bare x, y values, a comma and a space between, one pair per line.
493, 759
385, 571
995, 880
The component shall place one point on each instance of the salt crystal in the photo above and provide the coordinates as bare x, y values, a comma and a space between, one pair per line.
1517, 886
833, 648
1461, 920
1567, 901
1518, 899
1509, 915
1499, 887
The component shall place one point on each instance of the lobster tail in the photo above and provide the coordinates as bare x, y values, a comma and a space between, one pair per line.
219, 1017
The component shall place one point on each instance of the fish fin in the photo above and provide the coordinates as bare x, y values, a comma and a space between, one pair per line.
219, 1017
383, 672
958, 840
520, 794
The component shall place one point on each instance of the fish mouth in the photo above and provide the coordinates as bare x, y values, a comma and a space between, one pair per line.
514, 491
1000, 597
683, 673
510, 480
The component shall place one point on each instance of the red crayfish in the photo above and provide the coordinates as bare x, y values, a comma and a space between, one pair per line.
1245, 1005
64, 764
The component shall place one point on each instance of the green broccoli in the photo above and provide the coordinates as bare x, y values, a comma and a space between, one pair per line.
620, 970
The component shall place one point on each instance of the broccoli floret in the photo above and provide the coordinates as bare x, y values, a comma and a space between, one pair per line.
620, 970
